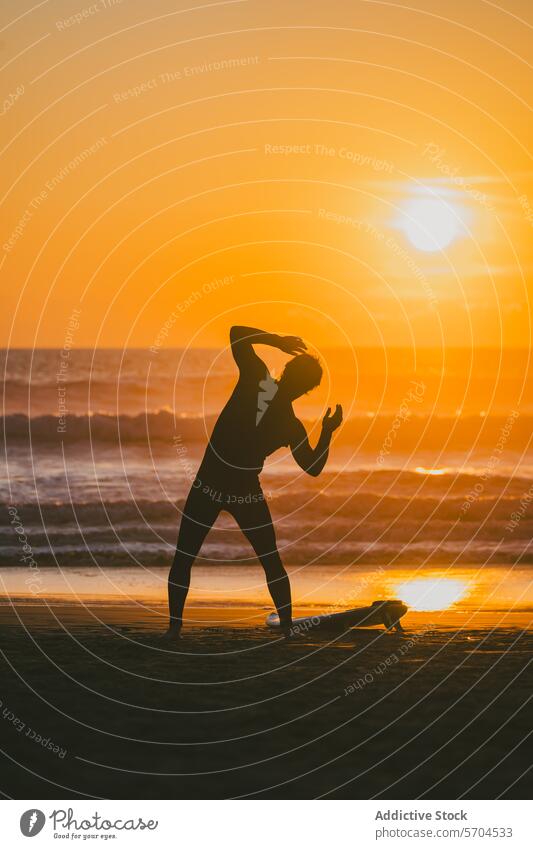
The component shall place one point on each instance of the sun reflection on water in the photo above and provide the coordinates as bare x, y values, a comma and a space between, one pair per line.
431, 593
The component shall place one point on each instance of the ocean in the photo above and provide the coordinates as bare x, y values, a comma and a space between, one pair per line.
432, 467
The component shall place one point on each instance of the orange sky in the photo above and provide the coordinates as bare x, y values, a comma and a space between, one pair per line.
253, 162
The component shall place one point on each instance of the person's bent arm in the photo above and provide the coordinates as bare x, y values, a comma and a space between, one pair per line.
313, 460
244, 338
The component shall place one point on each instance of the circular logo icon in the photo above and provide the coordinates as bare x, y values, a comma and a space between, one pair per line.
32, 822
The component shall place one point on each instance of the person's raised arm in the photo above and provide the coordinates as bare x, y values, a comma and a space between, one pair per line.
244, 338
313, 460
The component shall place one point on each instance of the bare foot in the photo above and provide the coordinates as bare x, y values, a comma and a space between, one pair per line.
291, 632
173, 635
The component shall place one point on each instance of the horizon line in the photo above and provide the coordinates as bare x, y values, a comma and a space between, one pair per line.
218, 348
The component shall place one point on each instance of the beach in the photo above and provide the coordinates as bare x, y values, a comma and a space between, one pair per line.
94, 705
431, 509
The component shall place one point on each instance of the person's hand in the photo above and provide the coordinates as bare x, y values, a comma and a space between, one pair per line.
332, 422
292, 344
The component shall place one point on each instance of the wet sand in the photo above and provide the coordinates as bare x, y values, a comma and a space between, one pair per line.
94, 706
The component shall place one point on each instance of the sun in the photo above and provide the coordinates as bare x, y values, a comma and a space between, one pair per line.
431, 593
431, 223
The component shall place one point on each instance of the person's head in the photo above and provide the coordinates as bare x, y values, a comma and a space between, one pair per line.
300, 375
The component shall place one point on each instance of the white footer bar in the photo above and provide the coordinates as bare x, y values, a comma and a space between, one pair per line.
266, 824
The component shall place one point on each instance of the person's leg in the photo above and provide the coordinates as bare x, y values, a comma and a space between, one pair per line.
199, 515
255, 522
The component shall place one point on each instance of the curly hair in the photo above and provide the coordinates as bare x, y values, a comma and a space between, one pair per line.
303, 371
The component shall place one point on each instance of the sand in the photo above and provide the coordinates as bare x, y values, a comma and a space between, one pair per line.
94, 706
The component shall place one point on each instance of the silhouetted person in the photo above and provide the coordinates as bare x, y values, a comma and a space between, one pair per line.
257, 420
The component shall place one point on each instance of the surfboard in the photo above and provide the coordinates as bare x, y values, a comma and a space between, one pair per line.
386, 612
